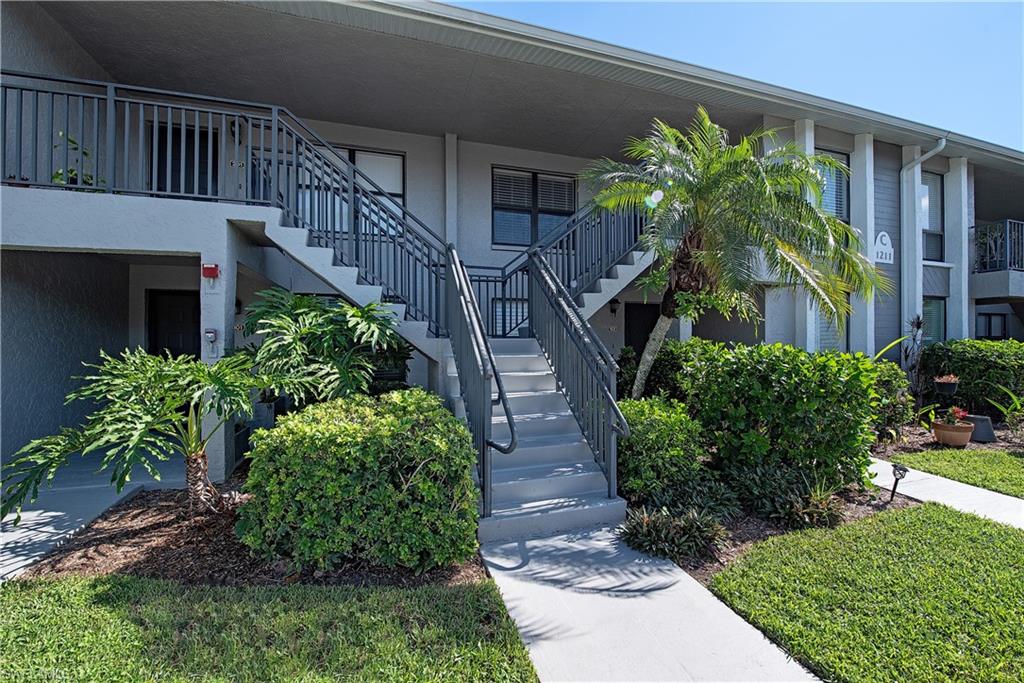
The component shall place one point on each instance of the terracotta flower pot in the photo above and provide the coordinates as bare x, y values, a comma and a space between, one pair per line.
953, 435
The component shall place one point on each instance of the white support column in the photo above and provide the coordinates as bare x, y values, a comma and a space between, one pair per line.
685, 329
912, 221
862, 218
806, 317
451, 188
957, 245
217, 314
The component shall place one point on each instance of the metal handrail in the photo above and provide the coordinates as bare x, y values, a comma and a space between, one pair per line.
474, 362
581, 364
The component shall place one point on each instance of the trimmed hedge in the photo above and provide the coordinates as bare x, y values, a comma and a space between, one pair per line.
386, 480
661, 452
776, 406
981, 365
895, 408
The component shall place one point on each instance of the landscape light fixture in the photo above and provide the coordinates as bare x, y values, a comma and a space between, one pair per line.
898, 472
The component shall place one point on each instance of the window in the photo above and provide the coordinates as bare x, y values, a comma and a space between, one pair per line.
934, 315
836, 198
933, 237
387, 169
527, 205
990, 326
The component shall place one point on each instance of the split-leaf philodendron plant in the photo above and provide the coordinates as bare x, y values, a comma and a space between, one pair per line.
721, 217
150, 407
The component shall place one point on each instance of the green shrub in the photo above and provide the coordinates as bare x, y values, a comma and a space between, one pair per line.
385, 480
676, 537
673, 356
781, 407
895, 409
981, 366
662, 452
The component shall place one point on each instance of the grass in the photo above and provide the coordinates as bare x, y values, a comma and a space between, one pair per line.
131, 629
920, 594
1000, 471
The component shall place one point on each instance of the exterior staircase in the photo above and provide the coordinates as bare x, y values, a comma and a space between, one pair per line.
550, 482
616, 279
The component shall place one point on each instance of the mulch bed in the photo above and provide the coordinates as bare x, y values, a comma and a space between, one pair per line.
153, 535
746, 531
916, 439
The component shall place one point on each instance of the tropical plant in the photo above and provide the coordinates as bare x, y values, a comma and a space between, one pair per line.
148, 407
954, 416
1012, 412
718, 212
678, 537
318, 348
71, 175
910, 353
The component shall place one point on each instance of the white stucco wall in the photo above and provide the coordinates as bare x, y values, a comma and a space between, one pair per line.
33, 41
58, 311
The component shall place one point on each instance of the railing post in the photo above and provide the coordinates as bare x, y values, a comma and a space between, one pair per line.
353, 213
1007, 245
274, 164
111, 135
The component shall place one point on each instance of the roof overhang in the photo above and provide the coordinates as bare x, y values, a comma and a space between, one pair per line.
432, 68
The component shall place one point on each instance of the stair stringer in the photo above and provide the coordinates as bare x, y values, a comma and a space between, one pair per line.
345, 281
606, 288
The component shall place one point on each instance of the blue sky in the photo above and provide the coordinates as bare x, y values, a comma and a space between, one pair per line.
958, 66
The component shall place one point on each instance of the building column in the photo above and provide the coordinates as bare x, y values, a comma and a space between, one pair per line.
217, 318
957, 224
912, 222
862, 218
451, 188
685, 329
806, 314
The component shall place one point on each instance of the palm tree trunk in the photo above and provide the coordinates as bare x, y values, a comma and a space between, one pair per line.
202, 494
651, 349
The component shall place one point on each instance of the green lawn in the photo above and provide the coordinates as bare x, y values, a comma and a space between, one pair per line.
130, 629
919, 594
990, 469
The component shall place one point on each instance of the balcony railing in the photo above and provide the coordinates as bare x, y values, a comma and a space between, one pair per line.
999, 246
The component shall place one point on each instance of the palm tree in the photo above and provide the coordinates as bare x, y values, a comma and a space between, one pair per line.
720, 216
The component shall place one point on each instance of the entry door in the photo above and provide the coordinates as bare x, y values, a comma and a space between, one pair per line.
172, 322
640, 321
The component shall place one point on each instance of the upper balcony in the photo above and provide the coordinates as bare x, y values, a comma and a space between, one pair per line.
999, 261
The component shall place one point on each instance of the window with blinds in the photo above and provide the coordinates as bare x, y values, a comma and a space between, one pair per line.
933, 312
527, 205
836, 196
934, 249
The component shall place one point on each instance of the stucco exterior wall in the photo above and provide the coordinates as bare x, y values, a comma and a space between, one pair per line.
34, 42
58, 311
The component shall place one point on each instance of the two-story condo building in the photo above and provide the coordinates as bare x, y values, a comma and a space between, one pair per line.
162, 162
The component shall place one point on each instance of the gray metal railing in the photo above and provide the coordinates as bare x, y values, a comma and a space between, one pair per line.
105, 137
999, 246
477, 370
580, 250
584, 369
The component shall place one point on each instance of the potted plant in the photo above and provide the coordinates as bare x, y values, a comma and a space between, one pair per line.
953, 429
946, 384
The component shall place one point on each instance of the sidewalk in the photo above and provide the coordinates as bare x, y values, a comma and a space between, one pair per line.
963, 497
589, 608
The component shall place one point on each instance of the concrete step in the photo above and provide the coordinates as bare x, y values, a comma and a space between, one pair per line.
514, 345
517, 382
546, 517
546, 450
560, 423
520, 402
542, 482
509, 362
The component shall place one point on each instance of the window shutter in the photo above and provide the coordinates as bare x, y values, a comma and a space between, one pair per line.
836, 196
512, 189
933, 312
556, 194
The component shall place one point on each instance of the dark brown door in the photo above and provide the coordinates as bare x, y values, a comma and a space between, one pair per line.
172, 322
640, 320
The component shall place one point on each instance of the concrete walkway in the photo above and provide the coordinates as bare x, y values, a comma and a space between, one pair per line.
964, 497
78, 496
591, 609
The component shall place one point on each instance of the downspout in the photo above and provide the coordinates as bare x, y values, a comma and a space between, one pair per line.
941, 145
